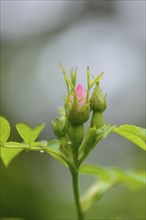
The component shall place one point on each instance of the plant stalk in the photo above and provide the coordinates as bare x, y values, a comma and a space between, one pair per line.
76, 195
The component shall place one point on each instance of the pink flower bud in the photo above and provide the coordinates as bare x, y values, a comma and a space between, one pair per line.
78, 107
81, 96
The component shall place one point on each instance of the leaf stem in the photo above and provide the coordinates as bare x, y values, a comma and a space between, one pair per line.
76, 194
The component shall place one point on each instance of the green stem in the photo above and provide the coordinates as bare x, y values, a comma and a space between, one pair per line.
97, 119
76, 195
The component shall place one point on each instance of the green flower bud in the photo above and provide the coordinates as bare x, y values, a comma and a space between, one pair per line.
76, 134
60, 126
97, 101
97, 119
65, 146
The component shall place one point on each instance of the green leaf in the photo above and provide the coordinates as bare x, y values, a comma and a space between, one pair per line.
28, 134
108, 177
9, 150
92, 137
130, 178
142, 132
53, 148
116, 175
100, 172
105, 130
4, 130
8, 154
94, 193
133, 133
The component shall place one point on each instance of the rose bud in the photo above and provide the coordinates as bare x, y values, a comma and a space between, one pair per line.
78, 108
97, 101
60, 126
77, 111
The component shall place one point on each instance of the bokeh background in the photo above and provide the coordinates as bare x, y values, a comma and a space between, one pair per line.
107, 36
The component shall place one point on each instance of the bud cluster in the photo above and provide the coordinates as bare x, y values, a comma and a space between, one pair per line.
69, 128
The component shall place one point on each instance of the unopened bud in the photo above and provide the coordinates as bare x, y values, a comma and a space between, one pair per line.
97, 101
78, 108
60, 126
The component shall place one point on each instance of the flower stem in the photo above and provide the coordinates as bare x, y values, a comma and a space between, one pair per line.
76, 195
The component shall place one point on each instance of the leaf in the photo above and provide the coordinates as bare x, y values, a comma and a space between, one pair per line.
95, 170
105, 130
8, 154
4, 129
28, 134
92, 137
108, 177
131, 178
53, 148
116, 175
133, 133
142, 132
94, 193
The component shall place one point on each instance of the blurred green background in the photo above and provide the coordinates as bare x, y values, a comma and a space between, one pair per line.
107, 36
